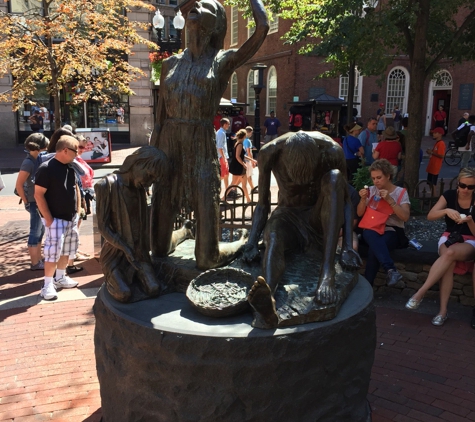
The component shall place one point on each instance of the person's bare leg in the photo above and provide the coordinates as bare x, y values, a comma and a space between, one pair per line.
329, 209
445, 288
235, 180
63, 261
35, 254
226, 182
457, 252
244, 188
251, 183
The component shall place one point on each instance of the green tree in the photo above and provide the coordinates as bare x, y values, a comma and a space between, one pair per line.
83, 42
427, 31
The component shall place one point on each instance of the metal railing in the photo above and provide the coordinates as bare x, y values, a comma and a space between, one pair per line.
236, 213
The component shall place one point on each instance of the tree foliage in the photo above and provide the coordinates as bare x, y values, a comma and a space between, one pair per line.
73, 41
426, 31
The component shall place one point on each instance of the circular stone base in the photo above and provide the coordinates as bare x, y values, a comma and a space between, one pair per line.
160, 360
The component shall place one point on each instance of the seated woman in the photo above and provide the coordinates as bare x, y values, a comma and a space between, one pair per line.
456, 245
393, 201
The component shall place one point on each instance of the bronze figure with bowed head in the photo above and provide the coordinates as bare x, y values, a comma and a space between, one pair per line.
123, 221
191, 86
314, 205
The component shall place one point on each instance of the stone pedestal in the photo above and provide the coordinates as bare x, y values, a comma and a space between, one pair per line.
160, 360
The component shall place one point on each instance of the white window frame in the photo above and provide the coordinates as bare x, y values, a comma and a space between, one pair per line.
271, 92
251, 95
250, 29
343, 89
234, 25
401, 99
273, 23
234, 86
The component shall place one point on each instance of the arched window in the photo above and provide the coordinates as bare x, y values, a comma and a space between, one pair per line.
443, 79
234, 86
251, 96
344, 80
398, 90
271, 90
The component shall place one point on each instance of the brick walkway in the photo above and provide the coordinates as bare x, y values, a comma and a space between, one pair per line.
47, 366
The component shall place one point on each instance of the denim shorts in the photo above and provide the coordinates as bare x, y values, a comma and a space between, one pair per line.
37, 229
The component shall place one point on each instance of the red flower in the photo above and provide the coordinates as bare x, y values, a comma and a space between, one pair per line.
158, 56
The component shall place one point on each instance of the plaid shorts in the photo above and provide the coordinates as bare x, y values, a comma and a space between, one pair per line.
62, 239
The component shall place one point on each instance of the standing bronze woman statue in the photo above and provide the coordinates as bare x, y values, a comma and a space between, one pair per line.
191, 86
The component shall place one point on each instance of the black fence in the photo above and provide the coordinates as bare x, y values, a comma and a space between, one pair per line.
236, 213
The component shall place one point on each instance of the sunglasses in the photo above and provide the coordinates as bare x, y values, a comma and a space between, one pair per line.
464, 186
81, 147
73, 150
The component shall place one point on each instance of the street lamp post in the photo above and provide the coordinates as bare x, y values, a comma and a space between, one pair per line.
167, 43
257, 110
368, 7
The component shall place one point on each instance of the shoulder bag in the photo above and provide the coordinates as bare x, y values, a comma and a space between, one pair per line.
375, 219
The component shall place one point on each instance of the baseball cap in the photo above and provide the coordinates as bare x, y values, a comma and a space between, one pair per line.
438, 130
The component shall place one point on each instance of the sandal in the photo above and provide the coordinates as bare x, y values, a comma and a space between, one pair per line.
71, 269
80, 256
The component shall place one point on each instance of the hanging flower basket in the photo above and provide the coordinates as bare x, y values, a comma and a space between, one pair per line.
156, 61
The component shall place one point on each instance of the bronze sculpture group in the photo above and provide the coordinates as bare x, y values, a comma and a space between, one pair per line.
182, 165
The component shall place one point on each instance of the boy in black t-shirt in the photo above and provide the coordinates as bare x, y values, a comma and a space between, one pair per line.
57, 197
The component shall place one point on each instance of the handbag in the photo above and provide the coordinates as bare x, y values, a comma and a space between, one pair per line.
375, 219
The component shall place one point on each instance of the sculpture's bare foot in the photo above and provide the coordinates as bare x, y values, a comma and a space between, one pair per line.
350, 259
326, 292
260, 298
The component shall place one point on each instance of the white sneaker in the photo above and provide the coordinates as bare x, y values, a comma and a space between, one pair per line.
65, 283
49, 292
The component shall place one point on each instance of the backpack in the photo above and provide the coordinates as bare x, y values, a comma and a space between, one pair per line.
460, 135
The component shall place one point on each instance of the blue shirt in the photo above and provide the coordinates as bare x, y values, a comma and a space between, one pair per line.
351, 145
367, 139
221, 142
272, 124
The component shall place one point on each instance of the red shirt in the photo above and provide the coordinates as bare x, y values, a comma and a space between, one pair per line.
87, 180
440, 115
389, 150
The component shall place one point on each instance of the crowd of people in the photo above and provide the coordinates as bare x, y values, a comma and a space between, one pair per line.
54, 169
381, 147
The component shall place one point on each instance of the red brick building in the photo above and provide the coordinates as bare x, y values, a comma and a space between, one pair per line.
291, 77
